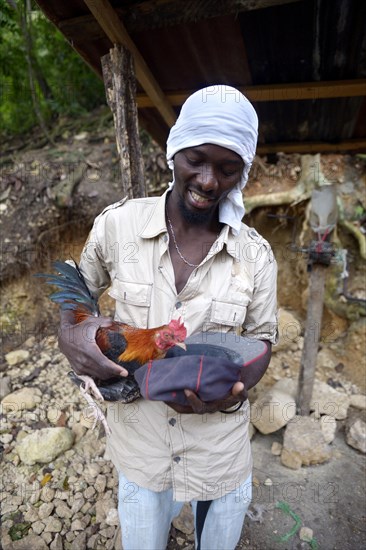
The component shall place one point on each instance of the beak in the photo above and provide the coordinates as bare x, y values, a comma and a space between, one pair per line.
181, 345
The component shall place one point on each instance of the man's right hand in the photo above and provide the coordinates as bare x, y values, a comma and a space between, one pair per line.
78, 344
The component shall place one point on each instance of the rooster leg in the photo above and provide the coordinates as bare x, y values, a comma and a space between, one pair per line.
97, 413
90, 386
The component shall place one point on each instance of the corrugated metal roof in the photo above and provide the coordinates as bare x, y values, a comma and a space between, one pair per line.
246, 43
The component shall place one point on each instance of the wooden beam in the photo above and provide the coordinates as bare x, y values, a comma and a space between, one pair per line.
313, 147
280, 92
155, 14
117, 34
120, 86
311, 339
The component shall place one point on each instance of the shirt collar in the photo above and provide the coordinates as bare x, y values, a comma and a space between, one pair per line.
156, 223
231, 242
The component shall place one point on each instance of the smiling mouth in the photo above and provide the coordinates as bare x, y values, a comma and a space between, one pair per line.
199, 198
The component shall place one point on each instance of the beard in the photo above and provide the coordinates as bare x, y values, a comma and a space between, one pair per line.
194, 218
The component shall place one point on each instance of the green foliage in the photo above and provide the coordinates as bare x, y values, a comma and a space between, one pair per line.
19, 530
62, 82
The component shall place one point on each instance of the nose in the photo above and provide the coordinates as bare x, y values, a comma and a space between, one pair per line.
207, 177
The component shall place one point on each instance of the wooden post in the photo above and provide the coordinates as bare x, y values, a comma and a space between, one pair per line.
120, 85
311, 340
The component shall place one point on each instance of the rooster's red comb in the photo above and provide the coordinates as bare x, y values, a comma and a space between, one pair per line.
178, 328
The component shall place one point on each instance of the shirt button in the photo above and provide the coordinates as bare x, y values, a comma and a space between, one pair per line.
165, 238
176, 459
178, 305
172, 421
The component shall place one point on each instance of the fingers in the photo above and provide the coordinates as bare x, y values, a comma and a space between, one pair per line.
238, 393
78, 344
198, 406
238, 390
97, 365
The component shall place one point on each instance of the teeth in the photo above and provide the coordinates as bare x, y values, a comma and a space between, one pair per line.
198, 198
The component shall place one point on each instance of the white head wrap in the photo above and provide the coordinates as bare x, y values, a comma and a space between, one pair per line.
218, 115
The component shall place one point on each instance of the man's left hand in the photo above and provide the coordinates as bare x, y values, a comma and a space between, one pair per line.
196, 406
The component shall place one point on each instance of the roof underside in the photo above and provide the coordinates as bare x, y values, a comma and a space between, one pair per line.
301, 62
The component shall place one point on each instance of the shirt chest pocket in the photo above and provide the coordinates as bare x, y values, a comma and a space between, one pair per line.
133, 301
230, 314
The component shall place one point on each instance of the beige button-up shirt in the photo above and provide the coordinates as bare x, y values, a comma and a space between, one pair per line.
233, 289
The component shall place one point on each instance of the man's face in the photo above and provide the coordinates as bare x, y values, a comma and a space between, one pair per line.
204, 175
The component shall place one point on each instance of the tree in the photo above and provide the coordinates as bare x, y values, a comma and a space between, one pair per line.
41, 75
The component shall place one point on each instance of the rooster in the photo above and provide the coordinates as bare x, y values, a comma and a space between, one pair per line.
128, 346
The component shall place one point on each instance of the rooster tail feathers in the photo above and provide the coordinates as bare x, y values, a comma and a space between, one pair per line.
73, 291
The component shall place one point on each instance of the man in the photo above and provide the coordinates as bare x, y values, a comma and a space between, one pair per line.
185, 254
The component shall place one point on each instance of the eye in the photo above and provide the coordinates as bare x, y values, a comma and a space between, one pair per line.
230, 171
193, 162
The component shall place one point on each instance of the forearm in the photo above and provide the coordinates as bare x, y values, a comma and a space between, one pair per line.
251, 374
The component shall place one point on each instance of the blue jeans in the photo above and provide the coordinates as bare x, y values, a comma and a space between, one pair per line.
146, 517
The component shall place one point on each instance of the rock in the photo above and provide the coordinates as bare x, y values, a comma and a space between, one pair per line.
63, 511
53, 525
289, 330
31, 542
358, 401
79, 542
43, 360
77, 505
31, 515
5, 386
38, 527
303, 443
268, 482
30, 342
276, 448
79, 431
86, 507
306, 534
17, 356
6, 438
112, 517
48, 494
326, 400
185, 521
325, 359
277, 406
89, 492
92, 541
44, 445
108, 532
45, 510
53, 415
100, 483
328, 425
56, 544
92, 471
102, 508
356, 435
77, 525
25, 398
